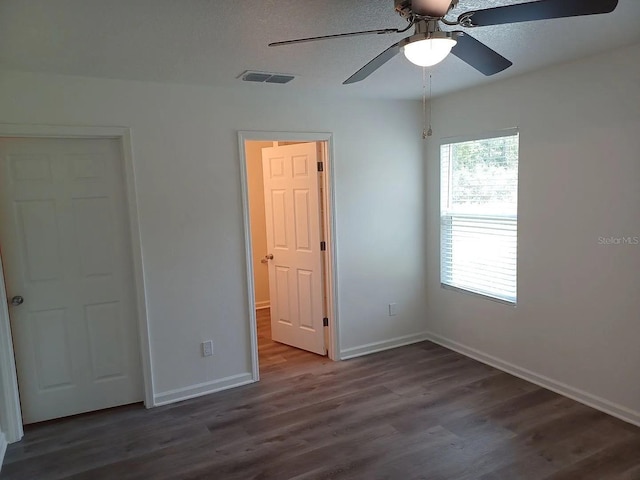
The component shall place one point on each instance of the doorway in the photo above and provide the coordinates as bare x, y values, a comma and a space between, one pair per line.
73, 275
288, 203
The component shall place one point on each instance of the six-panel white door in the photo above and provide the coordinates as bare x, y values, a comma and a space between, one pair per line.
65, 249
292, 206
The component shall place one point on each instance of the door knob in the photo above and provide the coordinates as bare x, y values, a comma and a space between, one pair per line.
17, 300
269, 256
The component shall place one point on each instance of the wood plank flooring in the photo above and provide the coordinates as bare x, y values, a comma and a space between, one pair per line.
417, 412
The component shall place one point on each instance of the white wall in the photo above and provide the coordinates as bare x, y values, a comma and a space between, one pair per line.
188, 185
255, 185
577, 321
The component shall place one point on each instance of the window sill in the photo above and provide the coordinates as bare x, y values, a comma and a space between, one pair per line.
510, 303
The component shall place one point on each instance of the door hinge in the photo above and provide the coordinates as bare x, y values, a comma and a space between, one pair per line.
320, 167
323, 246
325, 322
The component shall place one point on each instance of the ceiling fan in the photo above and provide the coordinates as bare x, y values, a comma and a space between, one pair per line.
430, 45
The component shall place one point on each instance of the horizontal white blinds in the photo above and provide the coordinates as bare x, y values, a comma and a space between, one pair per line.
479, 254
479, 225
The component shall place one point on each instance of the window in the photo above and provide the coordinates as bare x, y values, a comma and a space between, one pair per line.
479, 215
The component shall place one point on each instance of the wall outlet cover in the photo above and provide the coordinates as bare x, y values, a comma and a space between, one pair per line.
207, 348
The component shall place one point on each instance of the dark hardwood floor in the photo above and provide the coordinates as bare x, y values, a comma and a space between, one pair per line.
417, 412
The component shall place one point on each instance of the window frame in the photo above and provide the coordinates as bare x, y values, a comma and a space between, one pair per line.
488, 135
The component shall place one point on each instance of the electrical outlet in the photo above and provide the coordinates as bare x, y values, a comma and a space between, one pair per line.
207, 348
392, 309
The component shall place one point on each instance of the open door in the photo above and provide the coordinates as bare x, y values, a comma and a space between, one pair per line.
292, 207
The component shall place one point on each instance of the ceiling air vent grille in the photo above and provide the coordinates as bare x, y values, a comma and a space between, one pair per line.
266, 77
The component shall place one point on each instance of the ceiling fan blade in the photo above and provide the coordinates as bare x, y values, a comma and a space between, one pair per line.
430, 8
539, 10
383, 31
376, 63
479, 56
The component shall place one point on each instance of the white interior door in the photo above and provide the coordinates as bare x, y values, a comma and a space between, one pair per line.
292, 206
65, 250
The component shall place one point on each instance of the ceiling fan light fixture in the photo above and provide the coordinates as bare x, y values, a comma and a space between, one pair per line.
429, 51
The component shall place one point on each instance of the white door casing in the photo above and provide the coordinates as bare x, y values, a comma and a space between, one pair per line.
65, 249
292, 207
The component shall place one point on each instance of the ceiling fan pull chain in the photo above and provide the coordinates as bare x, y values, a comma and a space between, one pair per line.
426, 132
424, 103
430, 131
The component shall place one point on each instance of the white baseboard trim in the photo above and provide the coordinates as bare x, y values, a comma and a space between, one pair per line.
3, 448
353, 352
594, 401
262, 305
193, 391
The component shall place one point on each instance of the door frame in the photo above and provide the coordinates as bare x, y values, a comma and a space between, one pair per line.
330, 261
10, 410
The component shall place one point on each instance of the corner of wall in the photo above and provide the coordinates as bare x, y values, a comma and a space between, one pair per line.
375, 347
586, 398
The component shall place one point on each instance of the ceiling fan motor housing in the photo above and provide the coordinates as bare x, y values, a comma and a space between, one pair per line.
406, 10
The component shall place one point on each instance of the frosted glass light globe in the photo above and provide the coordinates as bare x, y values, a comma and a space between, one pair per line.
429, 52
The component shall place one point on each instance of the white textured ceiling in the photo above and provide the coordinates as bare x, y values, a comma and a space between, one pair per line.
211, 42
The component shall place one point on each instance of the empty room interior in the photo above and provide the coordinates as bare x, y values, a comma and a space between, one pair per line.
375, 239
